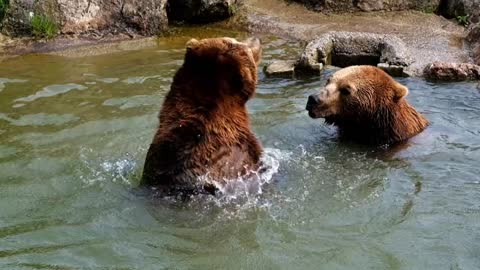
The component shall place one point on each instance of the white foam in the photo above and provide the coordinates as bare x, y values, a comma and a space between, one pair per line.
247, 189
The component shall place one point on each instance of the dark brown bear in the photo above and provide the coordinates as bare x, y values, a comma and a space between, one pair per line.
368, 106
204, 132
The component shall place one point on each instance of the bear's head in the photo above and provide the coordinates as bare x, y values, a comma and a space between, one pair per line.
367, 105
219, 67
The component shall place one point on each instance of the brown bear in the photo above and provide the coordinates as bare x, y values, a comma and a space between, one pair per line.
368, 106
204, 131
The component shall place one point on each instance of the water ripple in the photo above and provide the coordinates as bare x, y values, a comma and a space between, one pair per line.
52, 90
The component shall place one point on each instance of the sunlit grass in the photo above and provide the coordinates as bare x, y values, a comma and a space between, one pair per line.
43, 27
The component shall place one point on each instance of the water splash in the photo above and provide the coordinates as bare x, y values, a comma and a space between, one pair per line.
252, 186
100, 172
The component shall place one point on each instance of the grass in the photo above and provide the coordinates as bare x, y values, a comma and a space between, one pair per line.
232, 9
43, 27
429, 10
463, 20
3, 8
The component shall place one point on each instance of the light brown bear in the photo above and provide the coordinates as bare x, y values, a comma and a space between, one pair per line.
204, 130
368, 106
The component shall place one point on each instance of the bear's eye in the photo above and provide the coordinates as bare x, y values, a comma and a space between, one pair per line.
344, 90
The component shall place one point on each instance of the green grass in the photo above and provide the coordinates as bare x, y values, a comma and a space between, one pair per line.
3, 8
43, 27
429, 10
232, 9
463, 20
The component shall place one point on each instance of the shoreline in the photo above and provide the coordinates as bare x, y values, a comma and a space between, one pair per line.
429, 37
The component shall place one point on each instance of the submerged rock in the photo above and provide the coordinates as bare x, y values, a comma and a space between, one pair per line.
201, 11
344, 49
452, 71
280, 68
369, 5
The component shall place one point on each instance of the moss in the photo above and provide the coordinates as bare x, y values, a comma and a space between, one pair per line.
3, 8
43, 27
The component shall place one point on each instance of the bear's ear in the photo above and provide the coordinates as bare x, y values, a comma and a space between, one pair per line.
191, 44
400, 92
255, 46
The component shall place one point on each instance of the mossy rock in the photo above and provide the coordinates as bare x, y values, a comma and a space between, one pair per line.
18, 17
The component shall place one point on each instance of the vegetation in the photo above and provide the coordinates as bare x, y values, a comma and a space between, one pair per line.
429, 10
3, 8
43, 27
232, 9
463, 20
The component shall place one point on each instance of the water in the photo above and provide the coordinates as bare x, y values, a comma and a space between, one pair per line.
74, 133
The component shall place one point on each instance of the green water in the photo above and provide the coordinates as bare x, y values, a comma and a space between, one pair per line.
74, 133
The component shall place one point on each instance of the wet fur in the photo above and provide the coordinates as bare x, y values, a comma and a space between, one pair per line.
386, 125
378, 113
204, 124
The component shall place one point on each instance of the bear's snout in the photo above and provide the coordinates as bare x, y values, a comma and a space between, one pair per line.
313, 100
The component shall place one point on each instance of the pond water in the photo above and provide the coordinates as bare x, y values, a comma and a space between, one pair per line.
74, 133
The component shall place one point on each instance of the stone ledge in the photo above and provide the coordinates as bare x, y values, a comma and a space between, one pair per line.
344, 49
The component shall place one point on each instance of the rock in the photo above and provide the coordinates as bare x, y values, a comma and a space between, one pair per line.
344, 49
393, 70
473, 39
280, 68
474, 34
97, 18
149, 17
452, 71
454, 8
476, 54
369, 5
201, 11
145, 17
17, 18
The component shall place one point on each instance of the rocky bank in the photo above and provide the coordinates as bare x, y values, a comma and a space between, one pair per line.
103, 17
417, 33
428, 37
